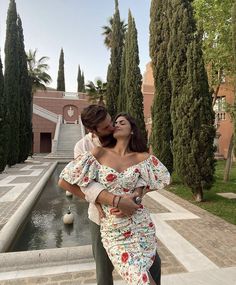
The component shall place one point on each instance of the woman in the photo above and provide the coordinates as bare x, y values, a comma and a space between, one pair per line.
130, 241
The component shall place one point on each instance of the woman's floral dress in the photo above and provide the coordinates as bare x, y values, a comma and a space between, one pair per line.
129, 241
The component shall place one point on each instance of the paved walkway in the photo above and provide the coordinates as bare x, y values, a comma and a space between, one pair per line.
196, 247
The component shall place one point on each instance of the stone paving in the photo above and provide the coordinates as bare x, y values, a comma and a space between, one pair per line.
190, 240
213, 236
229, 195
9, 206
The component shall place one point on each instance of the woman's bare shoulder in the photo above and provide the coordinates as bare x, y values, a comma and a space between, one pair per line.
97, 151
141, 156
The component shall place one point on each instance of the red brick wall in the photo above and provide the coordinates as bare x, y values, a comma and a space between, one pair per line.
56, 105
41, 125
55, 102
148, 91
225, 127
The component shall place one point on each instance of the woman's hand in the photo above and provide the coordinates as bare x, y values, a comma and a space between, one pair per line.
139, 191
126, 206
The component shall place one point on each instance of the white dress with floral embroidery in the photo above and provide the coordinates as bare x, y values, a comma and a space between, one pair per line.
130, 241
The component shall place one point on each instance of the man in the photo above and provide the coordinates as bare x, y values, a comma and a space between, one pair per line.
97, 120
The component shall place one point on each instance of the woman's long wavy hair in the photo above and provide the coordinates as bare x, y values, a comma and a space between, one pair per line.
137, 142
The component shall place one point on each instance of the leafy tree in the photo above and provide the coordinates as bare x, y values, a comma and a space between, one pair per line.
231, 110
96, 91
25, 135
38, 71
214, 17
113, 74
234, 67
107, 31
4, 128
61, 73
191, 107
80, 81
11, 82
161, 132
133, 77
216, 20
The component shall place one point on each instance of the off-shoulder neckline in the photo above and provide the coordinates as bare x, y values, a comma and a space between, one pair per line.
125, 170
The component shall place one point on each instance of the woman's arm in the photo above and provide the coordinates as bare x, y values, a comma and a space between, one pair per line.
74, 189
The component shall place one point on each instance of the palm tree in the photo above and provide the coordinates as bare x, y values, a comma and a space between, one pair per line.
96, 91
107, 31
37, 71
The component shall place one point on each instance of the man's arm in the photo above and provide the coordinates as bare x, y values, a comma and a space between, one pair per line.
126, 204
75, 189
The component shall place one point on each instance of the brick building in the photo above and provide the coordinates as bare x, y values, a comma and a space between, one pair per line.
51, 108
223, 120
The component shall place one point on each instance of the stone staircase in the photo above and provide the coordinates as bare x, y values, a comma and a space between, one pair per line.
219, 156
68, 137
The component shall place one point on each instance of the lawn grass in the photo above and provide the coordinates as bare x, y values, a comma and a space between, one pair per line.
217, 205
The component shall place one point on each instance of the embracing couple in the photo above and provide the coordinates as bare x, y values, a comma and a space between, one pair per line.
113, 170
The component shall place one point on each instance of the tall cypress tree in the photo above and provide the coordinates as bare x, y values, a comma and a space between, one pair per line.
11, 82
113, 73
80, 81
122, 98
4, 129
161, 134
133, 77
191, 108
61, 74
25, 136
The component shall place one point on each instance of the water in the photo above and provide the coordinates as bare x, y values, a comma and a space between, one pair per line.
44, 227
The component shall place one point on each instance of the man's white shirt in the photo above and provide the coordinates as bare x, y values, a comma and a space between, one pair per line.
87, 143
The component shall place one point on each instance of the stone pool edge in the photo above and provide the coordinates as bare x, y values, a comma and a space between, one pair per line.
10, 229
23, 260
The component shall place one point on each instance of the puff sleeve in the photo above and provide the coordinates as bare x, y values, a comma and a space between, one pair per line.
155, 174
81, 171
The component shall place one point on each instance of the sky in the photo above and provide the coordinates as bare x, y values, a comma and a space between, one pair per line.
75, 26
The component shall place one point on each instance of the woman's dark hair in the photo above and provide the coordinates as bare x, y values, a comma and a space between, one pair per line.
137, 142
93, 115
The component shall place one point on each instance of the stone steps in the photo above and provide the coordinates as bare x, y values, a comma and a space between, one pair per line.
66, 155
69, 135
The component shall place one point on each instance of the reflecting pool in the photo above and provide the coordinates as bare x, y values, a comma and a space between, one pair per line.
44, 227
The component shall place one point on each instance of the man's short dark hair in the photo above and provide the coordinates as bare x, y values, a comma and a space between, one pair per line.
93, 115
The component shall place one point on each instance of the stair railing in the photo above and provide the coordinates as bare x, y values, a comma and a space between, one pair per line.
42, 112
56, 135
82, 128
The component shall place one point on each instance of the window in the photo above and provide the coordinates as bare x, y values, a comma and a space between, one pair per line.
220, 104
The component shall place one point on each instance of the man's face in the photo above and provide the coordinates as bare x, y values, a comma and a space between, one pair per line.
105, 127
